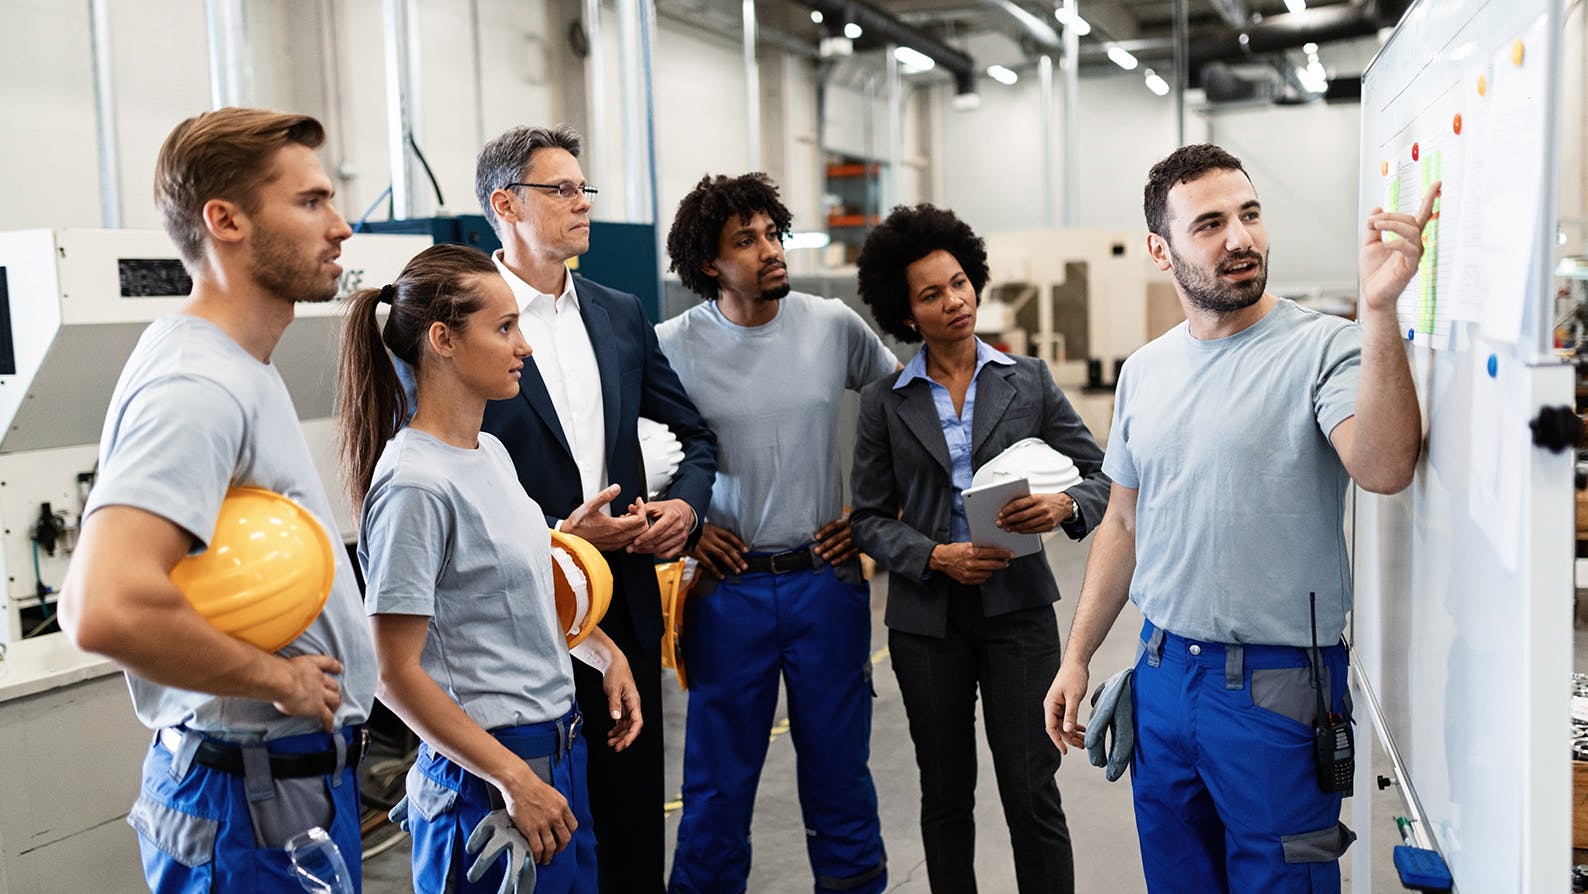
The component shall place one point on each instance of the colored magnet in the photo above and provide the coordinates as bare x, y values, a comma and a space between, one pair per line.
1517, 51
1493, 365
1414, 152
1455, 124
1383, 169
1483, 85
1411, 334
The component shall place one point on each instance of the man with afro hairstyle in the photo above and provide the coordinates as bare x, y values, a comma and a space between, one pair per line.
767, 367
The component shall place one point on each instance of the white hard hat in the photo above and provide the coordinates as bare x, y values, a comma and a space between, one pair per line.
661, 451
1048, 470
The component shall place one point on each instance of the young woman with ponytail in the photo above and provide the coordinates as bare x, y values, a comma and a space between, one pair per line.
460, 588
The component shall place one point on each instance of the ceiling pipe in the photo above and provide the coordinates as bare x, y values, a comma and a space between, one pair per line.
1035, 28
1324, 24
878, 28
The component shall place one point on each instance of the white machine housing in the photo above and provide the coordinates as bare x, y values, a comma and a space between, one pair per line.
73, 303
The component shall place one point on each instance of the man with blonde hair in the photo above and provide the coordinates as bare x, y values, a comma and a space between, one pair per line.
252, 746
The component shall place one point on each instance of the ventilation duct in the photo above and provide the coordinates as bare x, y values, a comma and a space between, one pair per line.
878, 27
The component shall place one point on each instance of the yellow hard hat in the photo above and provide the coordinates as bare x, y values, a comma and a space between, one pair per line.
583, 584
267, 571
671, 582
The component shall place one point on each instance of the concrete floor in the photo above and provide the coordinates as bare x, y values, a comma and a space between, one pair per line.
1102, 825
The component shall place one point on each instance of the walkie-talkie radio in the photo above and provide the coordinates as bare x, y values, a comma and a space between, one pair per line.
1336, 752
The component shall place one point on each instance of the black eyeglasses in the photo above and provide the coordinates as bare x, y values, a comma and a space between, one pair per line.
565, 190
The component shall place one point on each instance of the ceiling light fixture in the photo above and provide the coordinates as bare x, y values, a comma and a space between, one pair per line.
913, 60
1082, 26
1122, 58
1002, 75
1157, 84
852, 31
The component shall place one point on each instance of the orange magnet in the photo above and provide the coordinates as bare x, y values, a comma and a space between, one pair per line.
1383, 169
1517, 51
1455, 124
1483, 86
1414, 152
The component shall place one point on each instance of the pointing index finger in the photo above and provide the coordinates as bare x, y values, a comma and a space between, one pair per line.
1426, 212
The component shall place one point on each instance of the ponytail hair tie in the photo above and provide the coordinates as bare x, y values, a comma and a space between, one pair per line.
388, 294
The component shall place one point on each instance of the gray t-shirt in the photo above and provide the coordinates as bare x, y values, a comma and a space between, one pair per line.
1239, 511
193, 414
772, 394
450, 534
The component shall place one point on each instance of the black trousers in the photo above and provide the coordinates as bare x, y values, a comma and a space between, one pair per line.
626, 787
1012, 659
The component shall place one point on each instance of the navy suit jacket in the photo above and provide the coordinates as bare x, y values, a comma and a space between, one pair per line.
902, 486
636, 380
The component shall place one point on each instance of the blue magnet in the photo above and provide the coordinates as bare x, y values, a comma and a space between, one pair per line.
1494, 365
1411, 335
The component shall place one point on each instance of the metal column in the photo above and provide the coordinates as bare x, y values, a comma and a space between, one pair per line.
1072, 67
1181, 61
227, 24
636, 37
399, 91
479, 73
105, 115
1050, 195
895, 99
596, 132
752, 86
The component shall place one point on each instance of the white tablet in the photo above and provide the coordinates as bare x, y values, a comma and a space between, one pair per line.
982, 505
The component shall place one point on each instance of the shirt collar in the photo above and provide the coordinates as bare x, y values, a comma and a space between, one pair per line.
916, 368
525, 293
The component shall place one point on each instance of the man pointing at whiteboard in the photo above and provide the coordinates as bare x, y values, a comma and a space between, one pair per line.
1235, 437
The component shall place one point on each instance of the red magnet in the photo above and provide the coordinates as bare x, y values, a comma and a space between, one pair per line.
1456, 124
1414, 152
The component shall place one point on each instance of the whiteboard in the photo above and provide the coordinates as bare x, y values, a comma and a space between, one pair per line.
1462, 630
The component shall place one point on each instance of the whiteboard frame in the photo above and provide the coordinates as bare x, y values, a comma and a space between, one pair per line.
1407, 572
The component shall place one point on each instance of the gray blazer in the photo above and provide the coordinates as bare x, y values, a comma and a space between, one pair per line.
902, 486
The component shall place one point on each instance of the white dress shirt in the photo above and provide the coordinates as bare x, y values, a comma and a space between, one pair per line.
555, 331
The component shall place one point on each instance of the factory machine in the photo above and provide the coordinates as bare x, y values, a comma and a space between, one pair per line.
1081, 299
73, 303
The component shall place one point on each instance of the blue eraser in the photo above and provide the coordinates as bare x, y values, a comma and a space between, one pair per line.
1422, 869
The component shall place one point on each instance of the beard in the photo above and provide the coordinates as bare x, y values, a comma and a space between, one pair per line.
282, 268
776, 293
1207, 292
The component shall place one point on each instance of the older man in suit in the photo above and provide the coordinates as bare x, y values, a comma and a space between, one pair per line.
963, 617
572, 432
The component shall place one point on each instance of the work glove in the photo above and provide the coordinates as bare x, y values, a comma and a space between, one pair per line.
497, 836
1111, 731
399, 814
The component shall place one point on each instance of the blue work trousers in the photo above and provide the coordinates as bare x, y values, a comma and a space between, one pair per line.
446, 802
1225, 773
813, 631
196, 824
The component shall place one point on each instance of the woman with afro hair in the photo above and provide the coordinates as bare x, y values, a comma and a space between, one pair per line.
961, 617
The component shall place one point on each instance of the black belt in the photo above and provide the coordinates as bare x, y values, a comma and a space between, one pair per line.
781, 563
229, 758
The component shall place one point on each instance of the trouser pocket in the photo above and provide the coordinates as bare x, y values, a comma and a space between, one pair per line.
181, 836
1319, 846
295, 806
